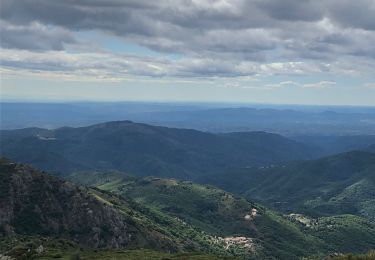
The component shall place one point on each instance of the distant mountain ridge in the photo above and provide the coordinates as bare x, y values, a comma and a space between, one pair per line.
224, 117
338, 144
370, 148
147, 150
283, 121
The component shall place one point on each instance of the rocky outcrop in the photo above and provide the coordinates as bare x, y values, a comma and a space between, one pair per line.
32, 202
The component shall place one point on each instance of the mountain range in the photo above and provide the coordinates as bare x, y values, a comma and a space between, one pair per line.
212, 117
136, 191
146, 150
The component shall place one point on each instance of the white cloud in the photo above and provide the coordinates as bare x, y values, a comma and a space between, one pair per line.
320, 84
106, 65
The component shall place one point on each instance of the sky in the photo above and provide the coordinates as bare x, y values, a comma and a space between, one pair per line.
257, 51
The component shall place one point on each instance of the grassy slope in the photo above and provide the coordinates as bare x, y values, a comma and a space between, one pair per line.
219, 213
187, 237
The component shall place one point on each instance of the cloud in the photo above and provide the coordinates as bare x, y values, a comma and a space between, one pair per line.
115, 66
34, 36
215, 38
355, 14
291, 10
290, 83
320, 84
108, 65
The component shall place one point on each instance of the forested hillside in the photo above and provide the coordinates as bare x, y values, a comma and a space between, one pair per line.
146, 150
339, 184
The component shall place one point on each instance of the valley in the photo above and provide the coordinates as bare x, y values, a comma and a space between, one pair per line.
126, 188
